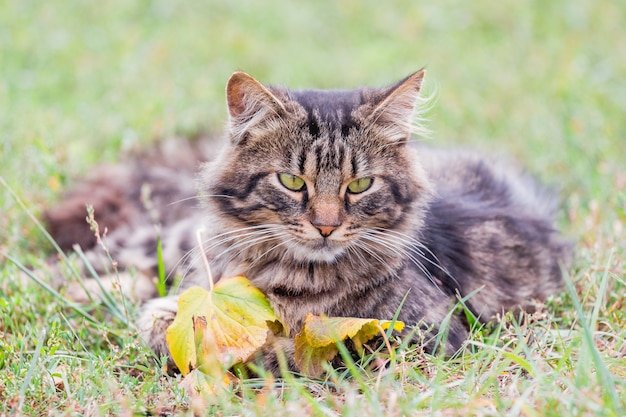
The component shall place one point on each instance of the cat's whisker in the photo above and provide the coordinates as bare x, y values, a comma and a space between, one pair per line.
198, 198
390, 144
224, 239
235, 252
370, 250
246, 229
397, 251
248, 243
194, 255
182, 261
192, 265
403, 253
216, 195
353, 250
410, 243
233, 255
284, 242
182, 200
415, 245
243, 241
410, 240
407, 244
188, 260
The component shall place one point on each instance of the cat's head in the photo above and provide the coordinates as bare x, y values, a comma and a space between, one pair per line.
313, 175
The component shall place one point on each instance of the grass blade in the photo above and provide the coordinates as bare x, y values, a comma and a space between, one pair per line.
75, 307
605, 379
161, 287
31, 370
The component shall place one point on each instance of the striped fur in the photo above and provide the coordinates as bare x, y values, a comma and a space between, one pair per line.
434, 225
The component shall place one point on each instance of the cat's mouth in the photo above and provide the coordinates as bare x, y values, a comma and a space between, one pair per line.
319, 250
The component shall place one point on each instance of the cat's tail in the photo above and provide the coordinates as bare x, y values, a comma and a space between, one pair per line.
151, 186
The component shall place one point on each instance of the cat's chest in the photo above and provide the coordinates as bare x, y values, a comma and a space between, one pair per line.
296, 288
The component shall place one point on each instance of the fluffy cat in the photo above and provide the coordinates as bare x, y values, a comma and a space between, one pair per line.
320, 199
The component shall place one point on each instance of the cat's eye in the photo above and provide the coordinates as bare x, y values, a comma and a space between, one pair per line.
360, 185
291, 182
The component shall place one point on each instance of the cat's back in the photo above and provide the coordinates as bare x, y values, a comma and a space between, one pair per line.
490, 229
488, 183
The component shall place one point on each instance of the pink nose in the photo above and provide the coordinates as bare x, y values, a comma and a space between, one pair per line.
326, 230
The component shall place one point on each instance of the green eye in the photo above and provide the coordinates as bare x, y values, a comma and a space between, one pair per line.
360, 185
291, 182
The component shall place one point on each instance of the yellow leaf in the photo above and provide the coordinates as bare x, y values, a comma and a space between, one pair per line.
180, 336
316, 343
310, 360
214, 330
207, 350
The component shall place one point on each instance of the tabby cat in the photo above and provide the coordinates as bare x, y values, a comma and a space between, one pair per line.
321, 199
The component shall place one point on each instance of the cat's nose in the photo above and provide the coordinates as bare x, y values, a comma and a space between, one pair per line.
326, 214
326, 230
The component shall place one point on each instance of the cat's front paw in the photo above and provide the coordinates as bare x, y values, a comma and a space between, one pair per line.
156, 316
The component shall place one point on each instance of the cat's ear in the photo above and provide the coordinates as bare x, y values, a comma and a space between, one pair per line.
395, 111
250, 105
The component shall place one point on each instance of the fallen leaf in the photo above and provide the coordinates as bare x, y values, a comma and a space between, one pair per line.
317, 341
208, 360
214, 330
310, 360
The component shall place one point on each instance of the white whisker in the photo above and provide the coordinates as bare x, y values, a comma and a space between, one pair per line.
182, 200
415, 245
370, 250
284, 242
245, 245
198, 198
396, 250
224, 239
256, 234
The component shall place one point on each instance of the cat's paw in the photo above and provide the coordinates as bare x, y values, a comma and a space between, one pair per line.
156, 316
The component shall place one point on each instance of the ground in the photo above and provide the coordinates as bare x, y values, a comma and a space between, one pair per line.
83, 83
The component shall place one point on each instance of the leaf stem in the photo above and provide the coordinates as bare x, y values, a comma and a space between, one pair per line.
204, 257
392, 353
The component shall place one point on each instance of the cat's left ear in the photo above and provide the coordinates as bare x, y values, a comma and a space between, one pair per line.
252, 107
395, 112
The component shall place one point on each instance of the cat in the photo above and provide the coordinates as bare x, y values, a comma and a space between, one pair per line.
324, 202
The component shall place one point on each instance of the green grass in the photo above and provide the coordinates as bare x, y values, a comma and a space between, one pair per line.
82, 83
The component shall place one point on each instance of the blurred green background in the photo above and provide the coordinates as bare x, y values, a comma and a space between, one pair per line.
544, 81
83, 82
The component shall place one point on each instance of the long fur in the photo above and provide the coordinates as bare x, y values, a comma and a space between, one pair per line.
436, 225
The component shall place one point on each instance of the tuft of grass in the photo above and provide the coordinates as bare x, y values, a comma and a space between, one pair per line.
541, 81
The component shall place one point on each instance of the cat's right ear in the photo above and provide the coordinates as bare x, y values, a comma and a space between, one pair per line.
395, 112
251, 106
